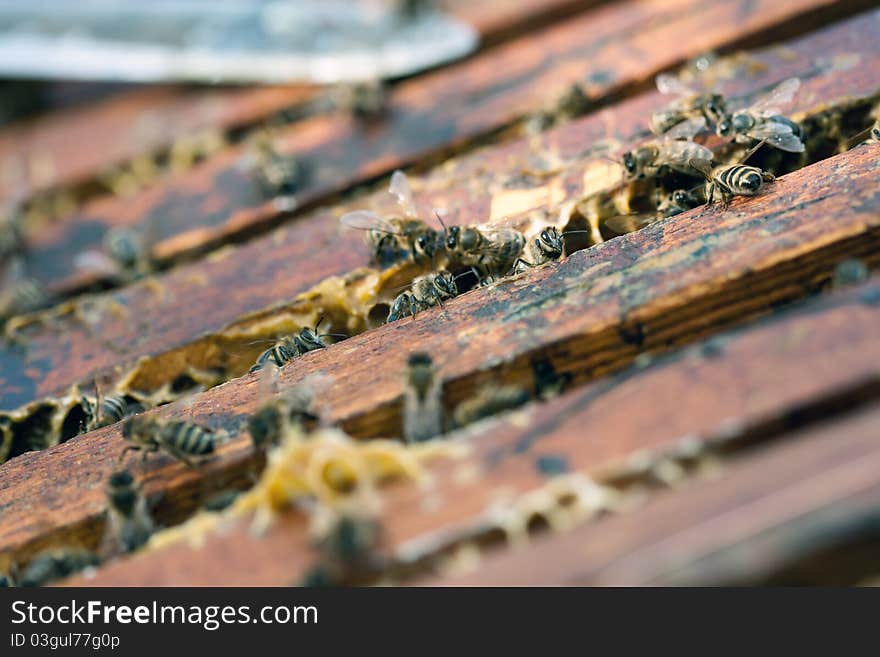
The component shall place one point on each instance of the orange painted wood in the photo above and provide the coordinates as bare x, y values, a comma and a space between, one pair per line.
204, 297
609, 50
762, 515
759, 384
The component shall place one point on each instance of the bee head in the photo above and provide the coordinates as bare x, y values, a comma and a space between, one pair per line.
629, 163
741, 122
310, 339
549, 242
420, 372
680, 197
452, 237
445, 284
875, 131
725, 127
426, 243
122, 491
715, 106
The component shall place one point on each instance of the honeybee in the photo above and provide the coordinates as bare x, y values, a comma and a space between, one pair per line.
426, 291
290, 347
347, 553
762, 122
21, 294
422, 400
650, 159
279, 174
364, 100
8, 579
125, 256
491, 400
702, 107
130, 521
107, 410
11, 232
571, 104
546, 247
292, 407
679, 201
493, 251
56, 564
179, 438
736, 180
872, 133
396, 239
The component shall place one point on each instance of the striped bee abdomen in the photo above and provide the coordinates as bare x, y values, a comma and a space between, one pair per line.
189, 438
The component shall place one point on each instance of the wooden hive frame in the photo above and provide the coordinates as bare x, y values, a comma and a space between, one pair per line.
703, 356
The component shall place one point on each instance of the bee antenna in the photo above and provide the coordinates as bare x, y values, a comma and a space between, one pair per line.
752, 151
333, 335
440, 219
320, 319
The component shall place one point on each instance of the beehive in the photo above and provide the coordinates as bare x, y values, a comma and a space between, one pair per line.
702, 394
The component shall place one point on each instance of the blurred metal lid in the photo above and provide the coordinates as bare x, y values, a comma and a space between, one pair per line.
231, 41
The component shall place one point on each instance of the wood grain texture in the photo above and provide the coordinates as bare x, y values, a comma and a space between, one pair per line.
764, 513
608, 50
592, 313
763, 382
205, 297
73, 147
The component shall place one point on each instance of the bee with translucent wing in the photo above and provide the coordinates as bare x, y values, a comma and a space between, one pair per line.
682, 155
425, 292
702, 107
762, 121
396, 239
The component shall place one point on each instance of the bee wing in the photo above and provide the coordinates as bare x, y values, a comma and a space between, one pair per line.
96, 262
366, 220
671, 84
780, 95
779, 135
694, 155
686, 129
400, 188
627, 223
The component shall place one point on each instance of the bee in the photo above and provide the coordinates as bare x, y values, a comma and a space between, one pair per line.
179, 438
652, 158
873, 135
422, 400
570, 105
56, 564
125, 256
492, 251
365, 100
762, 122
679, 201
11, 232
129, 517
548, 246
21, 294
347, 553
396, 239
426, 291
290, 347
293, 407
704, 108
107, 410
736, 180
279, 174
491, 400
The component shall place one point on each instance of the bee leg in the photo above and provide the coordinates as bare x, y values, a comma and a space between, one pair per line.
126, 450
413, 307
711, 195
517, 263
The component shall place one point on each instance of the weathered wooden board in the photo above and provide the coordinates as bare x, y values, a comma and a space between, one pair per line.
205, 297
731, 531
749, 387
609, 50
592, 313
73, 147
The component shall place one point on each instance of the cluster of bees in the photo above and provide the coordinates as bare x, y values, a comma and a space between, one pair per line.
486, 252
